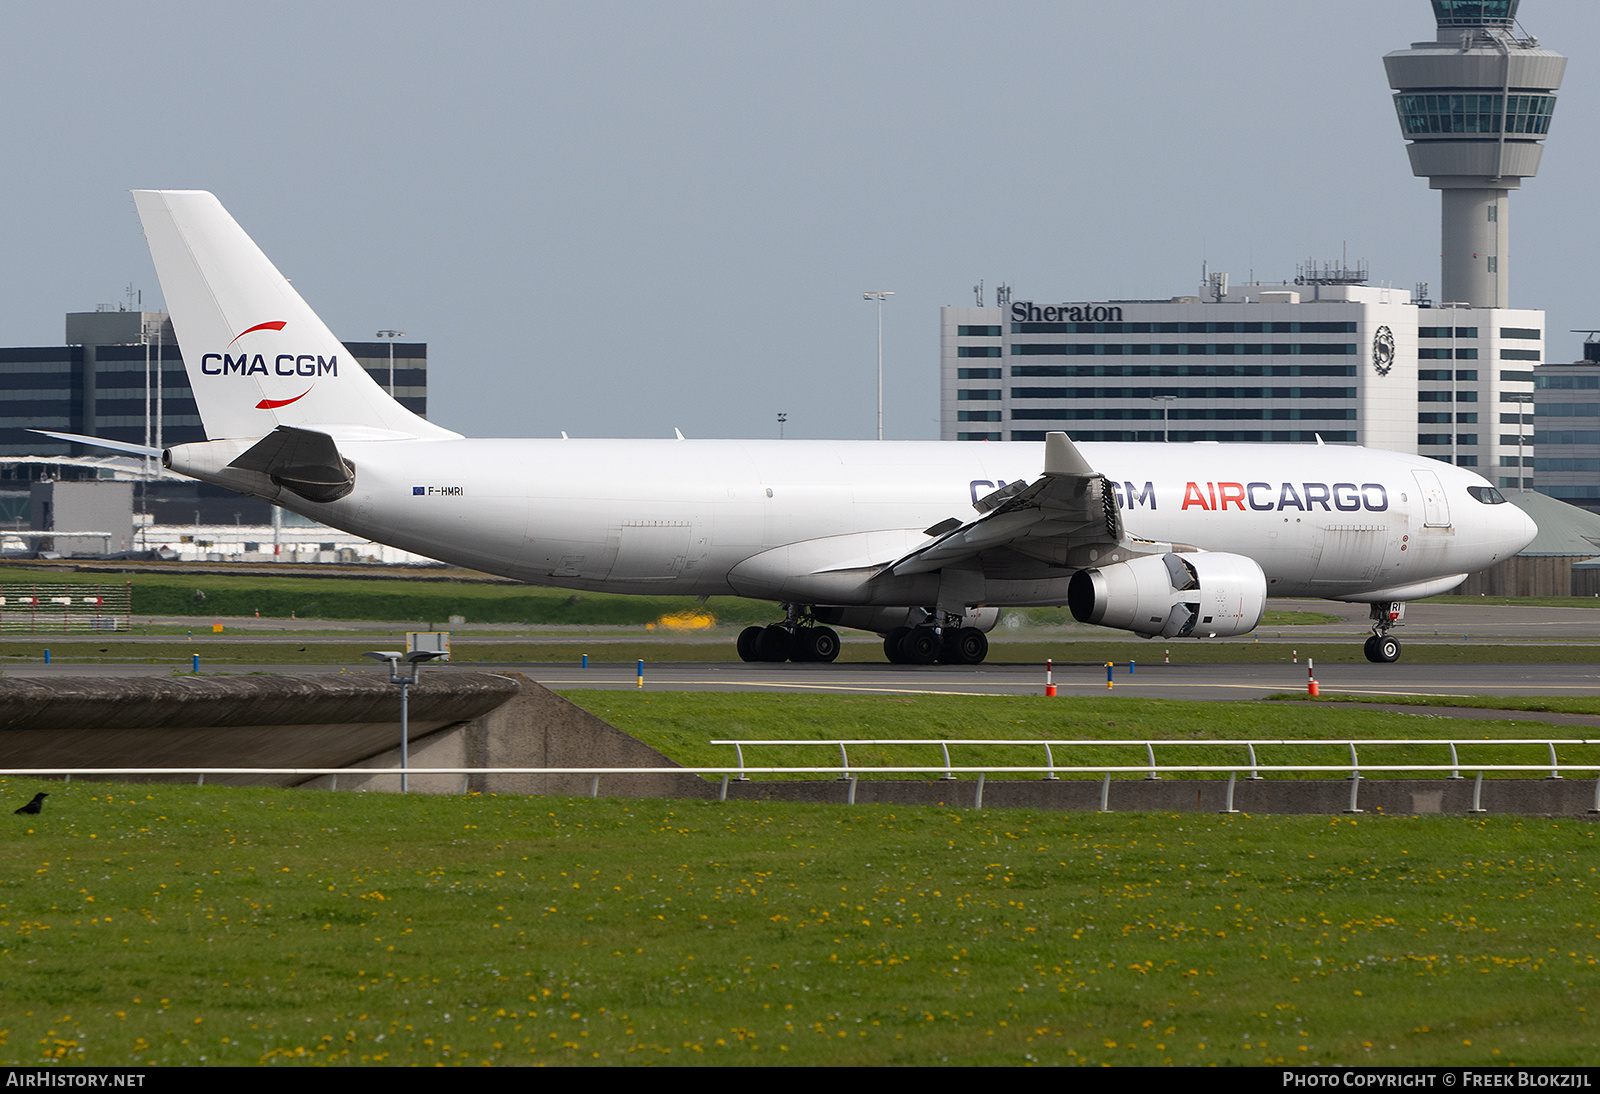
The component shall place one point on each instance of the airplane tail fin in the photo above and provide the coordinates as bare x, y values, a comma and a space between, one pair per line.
256, 354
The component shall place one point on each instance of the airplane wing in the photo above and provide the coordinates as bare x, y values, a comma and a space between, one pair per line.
1068, 517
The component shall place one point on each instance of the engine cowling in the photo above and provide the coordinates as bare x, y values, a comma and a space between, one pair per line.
1200, 595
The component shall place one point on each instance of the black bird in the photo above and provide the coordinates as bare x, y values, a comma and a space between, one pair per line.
35, 806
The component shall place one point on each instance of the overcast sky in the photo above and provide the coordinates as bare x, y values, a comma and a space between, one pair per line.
618, 218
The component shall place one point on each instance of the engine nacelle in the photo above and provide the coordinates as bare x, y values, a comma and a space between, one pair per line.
1198, 595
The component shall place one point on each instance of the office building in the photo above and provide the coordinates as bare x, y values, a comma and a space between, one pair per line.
121, 376
1329, 358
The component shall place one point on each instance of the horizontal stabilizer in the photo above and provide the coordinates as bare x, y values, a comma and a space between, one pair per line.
100, 442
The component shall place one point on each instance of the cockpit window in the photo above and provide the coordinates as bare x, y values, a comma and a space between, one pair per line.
1487, 494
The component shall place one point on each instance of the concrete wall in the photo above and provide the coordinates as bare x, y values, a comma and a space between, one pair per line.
534, 728
229, 721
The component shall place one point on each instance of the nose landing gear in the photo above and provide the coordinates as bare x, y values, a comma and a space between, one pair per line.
1382, 648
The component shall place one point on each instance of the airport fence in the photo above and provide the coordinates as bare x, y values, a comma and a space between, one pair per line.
65, 609
852, 774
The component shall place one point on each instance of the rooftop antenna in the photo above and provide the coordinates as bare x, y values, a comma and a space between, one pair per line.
977, 291
1002, 295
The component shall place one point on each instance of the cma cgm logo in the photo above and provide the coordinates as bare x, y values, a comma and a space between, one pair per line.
256, 364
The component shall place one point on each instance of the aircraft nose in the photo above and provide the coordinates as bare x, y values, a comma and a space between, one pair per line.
1527, 530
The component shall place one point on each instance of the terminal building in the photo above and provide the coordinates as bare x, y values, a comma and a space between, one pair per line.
1566, 417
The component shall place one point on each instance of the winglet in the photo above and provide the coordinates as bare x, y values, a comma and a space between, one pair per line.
1061, 456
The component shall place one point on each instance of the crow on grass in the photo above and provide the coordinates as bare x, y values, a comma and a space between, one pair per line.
35, 806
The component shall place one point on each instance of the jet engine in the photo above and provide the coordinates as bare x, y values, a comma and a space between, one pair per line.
1198, 595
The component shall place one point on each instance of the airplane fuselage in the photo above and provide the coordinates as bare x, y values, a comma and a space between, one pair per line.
682, 516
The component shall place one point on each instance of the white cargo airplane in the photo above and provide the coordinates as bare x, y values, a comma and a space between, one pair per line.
922, 542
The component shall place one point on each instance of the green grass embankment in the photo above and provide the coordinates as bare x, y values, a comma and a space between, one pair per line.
277, 597
173, 925
680, 724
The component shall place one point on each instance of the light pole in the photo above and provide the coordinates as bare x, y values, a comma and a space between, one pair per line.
414, 659
879, 295
1163, 400
391, 335
1522, 399
782, 417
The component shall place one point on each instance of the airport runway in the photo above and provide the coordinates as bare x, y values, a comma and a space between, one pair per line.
1152, 680
1425, 622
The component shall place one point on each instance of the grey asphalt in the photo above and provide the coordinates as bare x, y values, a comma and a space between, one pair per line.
1151, 680
1425, 622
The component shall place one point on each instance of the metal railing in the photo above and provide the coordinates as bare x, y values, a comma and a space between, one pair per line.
1152, 770
853, 774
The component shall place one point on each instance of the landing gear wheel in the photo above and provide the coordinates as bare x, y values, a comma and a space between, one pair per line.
891, 645
971, 646
1382, 650
747, 643
967, 646
920, 647
816, 644
774, 644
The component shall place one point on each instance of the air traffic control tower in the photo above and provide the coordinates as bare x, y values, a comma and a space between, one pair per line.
1475, 105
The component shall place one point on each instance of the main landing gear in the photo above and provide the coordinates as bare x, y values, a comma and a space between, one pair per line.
925, 645
1383, 648
797, 638
801, 638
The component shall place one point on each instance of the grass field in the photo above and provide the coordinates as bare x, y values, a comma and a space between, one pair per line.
680, 724
1557, 704
178, 925
207, 596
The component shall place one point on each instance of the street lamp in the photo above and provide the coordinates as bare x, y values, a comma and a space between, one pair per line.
782, 417
879, 297
391, 335
415, 659
1163, 400
1522, 399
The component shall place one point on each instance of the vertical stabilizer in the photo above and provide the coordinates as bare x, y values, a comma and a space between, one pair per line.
256, 354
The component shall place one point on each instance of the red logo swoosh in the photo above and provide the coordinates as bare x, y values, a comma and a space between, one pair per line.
274, 404
276, 324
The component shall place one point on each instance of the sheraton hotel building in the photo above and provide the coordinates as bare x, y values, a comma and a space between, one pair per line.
1329, 358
